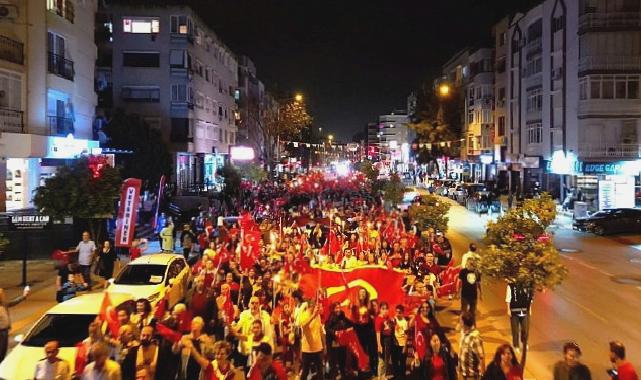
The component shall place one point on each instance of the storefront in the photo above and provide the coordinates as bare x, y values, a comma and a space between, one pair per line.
28, 160
198, 171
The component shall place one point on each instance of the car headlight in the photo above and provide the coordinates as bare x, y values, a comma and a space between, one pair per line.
154, 297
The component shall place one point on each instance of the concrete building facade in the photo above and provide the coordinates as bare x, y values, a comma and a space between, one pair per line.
47, 97
166, 65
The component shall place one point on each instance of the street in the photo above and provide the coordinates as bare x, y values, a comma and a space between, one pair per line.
591, 307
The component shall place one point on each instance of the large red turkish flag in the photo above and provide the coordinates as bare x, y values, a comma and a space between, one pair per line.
381, 283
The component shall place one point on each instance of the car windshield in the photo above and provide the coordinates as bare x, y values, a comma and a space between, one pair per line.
601, 214
67, 329
141, 274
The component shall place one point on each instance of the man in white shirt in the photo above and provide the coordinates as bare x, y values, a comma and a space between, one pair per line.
244, 324
52, 367
86, 249
471, 253
102, 368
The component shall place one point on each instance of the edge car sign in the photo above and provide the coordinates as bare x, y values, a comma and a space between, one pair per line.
30, 222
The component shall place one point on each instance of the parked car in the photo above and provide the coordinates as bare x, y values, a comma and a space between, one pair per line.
410, 196
611, 221
468, 190
444, 187
66, 322
152, 276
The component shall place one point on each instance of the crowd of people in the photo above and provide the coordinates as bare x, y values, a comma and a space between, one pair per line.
246, 317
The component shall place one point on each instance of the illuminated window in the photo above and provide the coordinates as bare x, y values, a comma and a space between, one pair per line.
141, 25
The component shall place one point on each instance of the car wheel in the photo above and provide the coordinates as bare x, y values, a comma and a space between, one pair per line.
599, 230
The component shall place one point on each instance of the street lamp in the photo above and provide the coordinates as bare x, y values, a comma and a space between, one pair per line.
443, 89
298, 98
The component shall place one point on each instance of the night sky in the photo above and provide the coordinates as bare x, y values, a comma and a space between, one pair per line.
353, 59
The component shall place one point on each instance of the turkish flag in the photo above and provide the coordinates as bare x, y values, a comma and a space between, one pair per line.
108, 314
250, 249
381, 283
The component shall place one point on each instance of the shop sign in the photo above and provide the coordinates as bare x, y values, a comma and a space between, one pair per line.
68, 147
30, 222
604, 167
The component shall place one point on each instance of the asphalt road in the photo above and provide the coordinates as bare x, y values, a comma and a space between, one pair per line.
599, 301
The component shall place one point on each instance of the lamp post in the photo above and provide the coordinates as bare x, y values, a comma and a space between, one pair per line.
298, 98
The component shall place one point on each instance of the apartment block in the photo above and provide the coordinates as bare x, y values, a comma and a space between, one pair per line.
165, 64
47, 98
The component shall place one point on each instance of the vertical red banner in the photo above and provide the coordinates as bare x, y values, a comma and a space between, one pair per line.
127, 212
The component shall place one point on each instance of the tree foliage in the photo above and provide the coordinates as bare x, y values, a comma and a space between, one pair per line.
150, 159
519, 250
393, 190
252, 172
438, 120
431, 213
75, 191
287, 120
369, 171
4, 242
232, 180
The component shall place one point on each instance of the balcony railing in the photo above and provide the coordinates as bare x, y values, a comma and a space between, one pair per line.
60, 126
533, 47
610, 63
11, 50
609, 21
618, 150
61, 66
11, 120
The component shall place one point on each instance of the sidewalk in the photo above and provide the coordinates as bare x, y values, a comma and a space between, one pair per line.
40, 274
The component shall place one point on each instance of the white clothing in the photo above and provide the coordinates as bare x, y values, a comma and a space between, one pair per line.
85, 252
58, 370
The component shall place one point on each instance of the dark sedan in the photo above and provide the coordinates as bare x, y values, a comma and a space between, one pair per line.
611, 221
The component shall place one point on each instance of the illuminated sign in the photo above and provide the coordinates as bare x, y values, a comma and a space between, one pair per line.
241, 153
69, 147
30, 222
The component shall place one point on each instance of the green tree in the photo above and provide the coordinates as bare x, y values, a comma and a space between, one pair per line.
75, 191
150, 158
4, 242
431, 213
252, 172
232, 181
521, 253
368, 170
393, 190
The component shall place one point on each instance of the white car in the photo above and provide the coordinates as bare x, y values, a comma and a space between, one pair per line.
66, 322
151, 276
409, 197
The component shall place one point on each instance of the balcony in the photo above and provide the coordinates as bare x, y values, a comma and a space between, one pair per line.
11, 50
63, 8
534, 47
615, 21
610, 63
11, 121
61, 66
614, 150
60, 126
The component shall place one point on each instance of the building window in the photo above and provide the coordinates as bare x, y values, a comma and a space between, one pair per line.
534, 100
609, 87
179, 92
501, 125
153, 122
141, 25
220, 135
141, 59
141, 94
63, 8
502, 39
535, 133
180, 24
178, 59
533, 66
558, 23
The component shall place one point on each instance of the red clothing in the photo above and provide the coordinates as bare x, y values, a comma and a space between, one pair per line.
438, 368
134, 253
627, 372
384, 326
200, 302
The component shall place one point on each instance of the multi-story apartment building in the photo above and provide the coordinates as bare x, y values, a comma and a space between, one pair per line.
251, 128
47, 98
394, 138
479, 102
165, 64
499, 32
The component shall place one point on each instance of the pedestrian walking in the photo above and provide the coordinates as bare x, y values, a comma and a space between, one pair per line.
52, 367
86, 251
570, 368
470, 254
101, 368
106, 260
167, 237
504, 366
621, 368
518, 300
5, 319
469, 287
471, 355
187, 240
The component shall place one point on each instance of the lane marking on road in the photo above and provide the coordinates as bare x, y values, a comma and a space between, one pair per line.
587, 309
582, 263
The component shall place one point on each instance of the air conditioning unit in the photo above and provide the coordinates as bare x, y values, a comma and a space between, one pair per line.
8, 11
